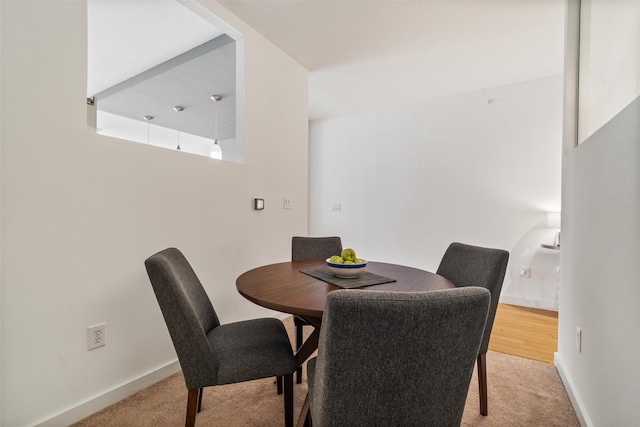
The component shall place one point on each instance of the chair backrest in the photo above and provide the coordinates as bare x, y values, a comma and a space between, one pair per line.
313, 248
397, 358
466, 265
187, 312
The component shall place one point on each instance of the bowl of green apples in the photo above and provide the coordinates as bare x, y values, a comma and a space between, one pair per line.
346, 265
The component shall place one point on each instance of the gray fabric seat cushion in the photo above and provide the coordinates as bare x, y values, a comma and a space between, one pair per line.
250, 350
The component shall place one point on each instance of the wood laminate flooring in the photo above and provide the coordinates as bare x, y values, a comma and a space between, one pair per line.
526, 332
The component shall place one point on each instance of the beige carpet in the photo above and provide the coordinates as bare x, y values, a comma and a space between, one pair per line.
521, 392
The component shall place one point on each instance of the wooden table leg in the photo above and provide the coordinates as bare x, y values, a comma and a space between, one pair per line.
309, 346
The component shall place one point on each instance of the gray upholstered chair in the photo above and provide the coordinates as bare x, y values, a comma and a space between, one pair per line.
210, 353
307, 249
466, 265
395, 358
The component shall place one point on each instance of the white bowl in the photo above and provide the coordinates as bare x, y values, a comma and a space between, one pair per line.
346, 271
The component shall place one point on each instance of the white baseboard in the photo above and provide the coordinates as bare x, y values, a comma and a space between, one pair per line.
110, 397
577, 404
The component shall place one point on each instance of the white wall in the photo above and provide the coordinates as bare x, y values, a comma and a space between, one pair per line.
600, 289
1, 351
609, 61
481, 168
81, 212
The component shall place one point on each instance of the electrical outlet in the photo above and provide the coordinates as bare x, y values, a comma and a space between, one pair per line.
96, 336
579, 339
287, 203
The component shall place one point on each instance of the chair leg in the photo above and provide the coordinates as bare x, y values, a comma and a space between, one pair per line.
288, 400
279, 384
299, 343
305, 414
482, 383
200, 393
192, 406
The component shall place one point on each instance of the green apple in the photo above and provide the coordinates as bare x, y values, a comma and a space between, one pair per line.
348, 255
349, 263
336, 259
358, 261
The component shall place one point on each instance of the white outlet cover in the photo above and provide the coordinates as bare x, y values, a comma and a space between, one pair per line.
96, 336
525, 272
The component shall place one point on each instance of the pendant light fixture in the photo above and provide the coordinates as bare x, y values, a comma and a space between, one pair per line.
216, 150
178, 109
148, 119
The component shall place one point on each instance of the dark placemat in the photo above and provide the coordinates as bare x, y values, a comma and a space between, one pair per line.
364, 279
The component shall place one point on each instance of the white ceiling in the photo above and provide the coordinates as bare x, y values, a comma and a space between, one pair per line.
364, 54
146, 57
126, 38
360, 54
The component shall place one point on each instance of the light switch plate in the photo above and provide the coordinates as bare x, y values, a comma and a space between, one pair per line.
258, 204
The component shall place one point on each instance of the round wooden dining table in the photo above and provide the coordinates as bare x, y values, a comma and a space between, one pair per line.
283, 287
